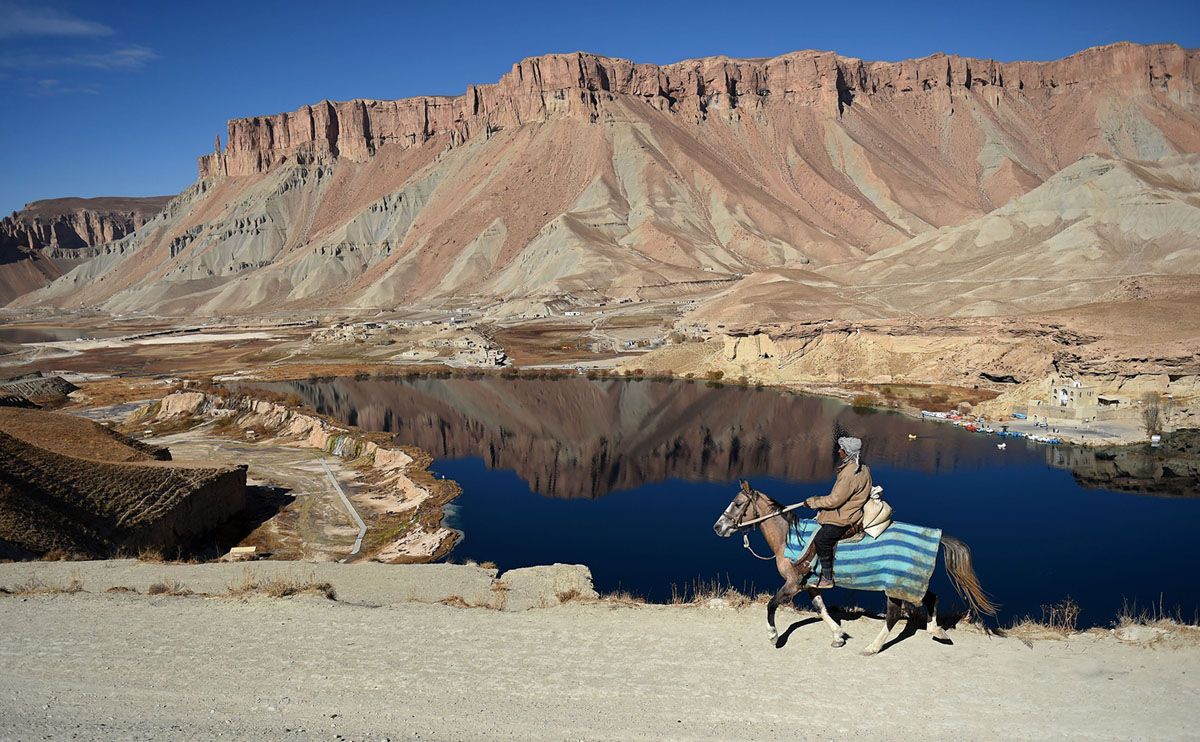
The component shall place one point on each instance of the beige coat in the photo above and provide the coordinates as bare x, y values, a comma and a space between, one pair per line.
843, 506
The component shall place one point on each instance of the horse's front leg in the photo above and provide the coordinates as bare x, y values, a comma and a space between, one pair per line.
839, 635
784, 595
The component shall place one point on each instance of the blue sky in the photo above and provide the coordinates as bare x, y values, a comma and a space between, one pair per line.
118, 98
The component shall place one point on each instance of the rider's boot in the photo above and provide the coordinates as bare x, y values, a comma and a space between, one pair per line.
826, 579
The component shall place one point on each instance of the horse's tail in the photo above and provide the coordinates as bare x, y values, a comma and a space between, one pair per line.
958, 564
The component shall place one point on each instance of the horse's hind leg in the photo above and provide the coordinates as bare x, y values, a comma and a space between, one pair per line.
839, 636
929, 602
893, 615
785, 595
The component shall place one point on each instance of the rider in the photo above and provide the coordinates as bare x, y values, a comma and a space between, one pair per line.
842, 508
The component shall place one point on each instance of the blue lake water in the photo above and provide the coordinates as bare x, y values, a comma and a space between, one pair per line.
627, 477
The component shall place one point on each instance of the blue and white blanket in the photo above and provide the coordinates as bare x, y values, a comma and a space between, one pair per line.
899, 562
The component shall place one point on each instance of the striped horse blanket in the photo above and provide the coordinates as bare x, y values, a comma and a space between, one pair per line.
899, 562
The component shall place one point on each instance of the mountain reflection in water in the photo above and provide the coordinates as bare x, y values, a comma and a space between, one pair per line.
581, 438
574, 437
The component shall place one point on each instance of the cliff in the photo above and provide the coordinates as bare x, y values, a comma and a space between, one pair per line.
599, 179
579, 84
71, 223
43, 241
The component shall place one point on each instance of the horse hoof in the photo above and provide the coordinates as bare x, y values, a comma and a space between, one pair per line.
838, 643
773, 639
868, 652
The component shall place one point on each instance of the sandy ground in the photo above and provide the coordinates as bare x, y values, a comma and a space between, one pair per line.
92, 666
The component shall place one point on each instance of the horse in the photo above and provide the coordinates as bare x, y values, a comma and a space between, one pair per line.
750, 507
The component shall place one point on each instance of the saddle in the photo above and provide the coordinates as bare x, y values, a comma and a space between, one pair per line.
853, 535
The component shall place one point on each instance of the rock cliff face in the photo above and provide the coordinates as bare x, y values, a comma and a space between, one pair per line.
45, 239
581, 85
72, 223
595, 177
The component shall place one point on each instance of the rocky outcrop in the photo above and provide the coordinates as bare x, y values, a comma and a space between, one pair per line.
64, 224
580, 85
48, 238
392, 490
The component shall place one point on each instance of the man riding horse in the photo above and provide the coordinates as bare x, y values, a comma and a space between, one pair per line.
840, 513
898, 561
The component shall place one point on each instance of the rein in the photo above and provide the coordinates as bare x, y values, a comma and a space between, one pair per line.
760, 519
742, 525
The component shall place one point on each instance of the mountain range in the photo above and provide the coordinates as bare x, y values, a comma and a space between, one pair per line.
47, 238
805, 184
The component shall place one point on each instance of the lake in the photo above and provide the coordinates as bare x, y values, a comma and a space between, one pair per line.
628, 476
49, 334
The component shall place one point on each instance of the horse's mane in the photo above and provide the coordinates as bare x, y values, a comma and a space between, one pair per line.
789, 516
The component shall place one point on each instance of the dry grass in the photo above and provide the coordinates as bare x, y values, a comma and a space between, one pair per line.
1156, 616
501, 592
167, 586
1059, 620
34, 586
704, 592
59, 555
120, 589
279, 587
566, 596
623, 597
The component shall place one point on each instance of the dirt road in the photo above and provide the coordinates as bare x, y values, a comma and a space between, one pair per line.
92, 665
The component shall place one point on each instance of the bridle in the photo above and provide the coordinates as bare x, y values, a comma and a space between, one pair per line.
743, 526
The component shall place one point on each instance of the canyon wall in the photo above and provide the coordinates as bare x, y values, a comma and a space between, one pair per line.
72, 223
47, 238
589, 179
539, 88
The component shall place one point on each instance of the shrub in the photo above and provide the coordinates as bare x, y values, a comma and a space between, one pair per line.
1152, 413
861, 402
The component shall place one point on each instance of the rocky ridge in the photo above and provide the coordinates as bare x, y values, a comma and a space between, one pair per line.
47, 238
72, 223
579, 84
592, 177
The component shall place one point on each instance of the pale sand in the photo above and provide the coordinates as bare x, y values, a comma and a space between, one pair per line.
97, 666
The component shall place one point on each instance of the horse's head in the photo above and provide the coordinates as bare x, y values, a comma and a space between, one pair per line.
730, 520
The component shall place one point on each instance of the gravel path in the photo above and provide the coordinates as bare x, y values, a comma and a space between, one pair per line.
97, 666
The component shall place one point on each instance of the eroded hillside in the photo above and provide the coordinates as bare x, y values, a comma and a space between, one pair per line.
597, 177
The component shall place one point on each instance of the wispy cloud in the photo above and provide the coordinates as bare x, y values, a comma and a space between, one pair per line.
50, 86
17, 22
123, 58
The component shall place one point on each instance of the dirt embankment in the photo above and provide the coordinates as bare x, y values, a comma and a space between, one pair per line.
387, 660
71, 486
